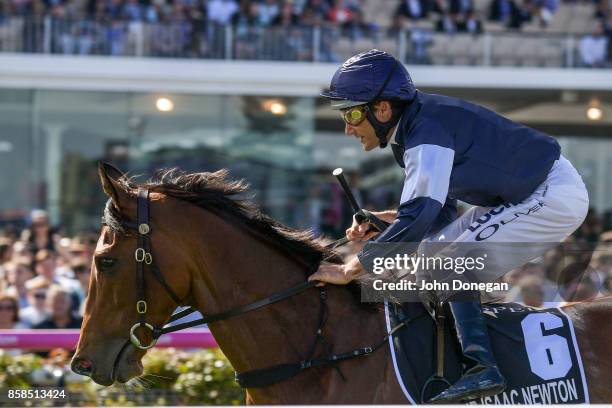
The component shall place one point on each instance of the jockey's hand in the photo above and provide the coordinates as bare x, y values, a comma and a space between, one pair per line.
337, 274
365, 230
361, 232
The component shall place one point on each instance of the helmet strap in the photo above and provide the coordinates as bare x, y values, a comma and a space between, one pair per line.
382, 128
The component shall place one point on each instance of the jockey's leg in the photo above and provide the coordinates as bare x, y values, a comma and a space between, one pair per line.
483, 378
552, 212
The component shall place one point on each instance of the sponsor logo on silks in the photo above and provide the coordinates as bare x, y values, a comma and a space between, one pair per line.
489, 230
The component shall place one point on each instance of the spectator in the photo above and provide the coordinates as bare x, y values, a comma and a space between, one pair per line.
6, 253
411, 10
9, 318
607, 25
222, 11
602, 10
579, 290
116, 35
45, 269
81, 268
167, 39
78, 38
17, 273
448, 23
532, 292
40, 235
9, 312
593, 48
360, 27
461, 7
134, 11
247, 16
286, 17
316, 12
534, 270
247, 23
59, 311
501, 10
509, 13
340, 14
471, 24
20, 251
36, 312
269, 11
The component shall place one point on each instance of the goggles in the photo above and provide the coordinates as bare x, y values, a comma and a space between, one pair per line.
355, 115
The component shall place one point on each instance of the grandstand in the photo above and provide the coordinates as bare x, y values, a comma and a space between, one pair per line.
544, 35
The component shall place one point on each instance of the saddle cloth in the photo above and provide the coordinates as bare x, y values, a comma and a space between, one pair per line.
536, 350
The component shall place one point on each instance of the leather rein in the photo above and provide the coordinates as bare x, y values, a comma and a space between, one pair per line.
249, 379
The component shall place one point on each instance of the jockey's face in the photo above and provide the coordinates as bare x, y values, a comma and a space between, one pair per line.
364, 130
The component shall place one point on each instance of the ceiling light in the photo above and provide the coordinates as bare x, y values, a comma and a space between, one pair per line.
275, 107
594, 113
164, 105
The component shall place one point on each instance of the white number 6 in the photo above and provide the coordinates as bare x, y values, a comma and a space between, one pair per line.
549, 355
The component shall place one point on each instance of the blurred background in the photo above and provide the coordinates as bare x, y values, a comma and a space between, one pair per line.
210, 84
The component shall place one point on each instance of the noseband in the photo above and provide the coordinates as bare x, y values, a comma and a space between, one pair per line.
255, 378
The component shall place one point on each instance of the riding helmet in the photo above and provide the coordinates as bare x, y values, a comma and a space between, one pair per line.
369, 76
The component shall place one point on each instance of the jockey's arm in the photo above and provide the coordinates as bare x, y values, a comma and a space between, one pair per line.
428, 168
424, 207
387, 216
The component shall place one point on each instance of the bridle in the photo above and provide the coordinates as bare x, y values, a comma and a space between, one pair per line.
250, 379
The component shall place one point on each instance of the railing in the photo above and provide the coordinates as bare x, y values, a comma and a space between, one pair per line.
184, 39
25, 339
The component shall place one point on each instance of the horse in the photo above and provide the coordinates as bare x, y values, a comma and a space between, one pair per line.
215, 251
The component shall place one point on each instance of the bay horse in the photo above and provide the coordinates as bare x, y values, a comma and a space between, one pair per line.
216, 252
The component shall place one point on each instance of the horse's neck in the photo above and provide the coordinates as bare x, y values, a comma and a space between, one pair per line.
238, 269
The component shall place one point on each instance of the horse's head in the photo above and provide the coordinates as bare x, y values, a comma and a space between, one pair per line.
105, 352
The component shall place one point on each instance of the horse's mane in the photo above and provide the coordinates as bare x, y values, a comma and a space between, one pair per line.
215, 193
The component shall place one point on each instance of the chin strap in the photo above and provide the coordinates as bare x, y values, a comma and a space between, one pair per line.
382, 128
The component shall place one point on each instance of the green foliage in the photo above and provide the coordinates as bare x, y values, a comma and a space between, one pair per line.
15, 370
208, 378
171, 377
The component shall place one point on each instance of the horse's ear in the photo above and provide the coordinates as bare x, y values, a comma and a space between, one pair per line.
110, 177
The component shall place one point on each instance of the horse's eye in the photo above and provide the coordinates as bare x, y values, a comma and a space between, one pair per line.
105, 264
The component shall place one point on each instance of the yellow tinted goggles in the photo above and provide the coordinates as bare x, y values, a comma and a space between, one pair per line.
355, 115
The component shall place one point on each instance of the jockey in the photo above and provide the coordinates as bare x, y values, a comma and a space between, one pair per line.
453, 150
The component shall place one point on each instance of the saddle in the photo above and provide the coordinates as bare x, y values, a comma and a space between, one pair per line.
536, 351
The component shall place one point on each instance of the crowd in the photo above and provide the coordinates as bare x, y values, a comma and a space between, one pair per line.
580, 269
596, 48
192, 28
271, 29
43, 277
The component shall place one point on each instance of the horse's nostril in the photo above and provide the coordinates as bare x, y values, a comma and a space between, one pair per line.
82, 366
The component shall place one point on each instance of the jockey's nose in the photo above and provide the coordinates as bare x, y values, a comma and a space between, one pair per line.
349, 130
81, 366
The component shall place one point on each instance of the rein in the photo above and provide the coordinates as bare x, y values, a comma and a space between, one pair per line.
250, 379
